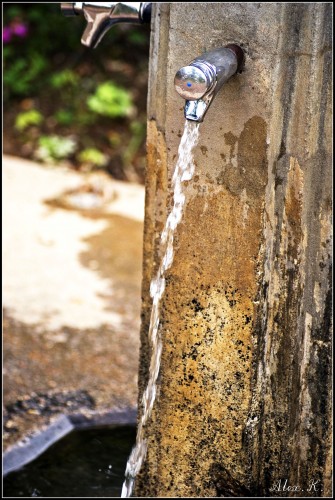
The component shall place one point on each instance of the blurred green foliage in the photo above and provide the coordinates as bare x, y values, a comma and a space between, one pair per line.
75, 97
21, 74
110, 100
65, 117
28, 118
29, 59
91, 158
64, 78
53, 148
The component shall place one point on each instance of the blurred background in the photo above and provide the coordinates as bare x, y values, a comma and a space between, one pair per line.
74, 131
63, 101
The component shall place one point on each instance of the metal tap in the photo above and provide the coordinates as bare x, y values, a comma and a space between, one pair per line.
200, 81
101, 16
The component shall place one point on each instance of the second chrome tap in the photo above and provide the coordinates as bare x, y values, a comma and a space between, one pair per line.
201, 79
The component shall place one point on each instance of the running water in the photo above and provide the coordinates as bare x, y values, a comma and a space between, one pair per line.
183, 172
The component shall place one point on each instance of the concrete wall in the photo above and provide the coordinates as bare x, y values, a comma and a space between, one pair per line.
244, 386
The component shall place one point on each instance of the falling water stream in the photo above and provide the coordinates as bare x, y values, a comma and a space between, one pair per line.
184, 171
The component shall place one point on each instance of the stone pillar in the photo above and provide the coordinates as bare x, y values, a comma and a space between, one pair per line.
243, 404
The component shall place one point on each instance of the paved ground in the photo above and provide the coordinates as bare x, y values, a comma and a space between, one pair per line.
72, 250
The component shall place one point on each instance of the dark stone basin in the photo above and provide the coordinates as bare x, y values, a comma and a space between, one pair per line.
74, 457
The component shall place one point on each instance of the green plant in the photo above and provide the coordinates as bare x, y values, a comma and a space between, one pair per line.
20, 74
92, 157
111, 100
65, 117
27, 118
52, 148
64, 78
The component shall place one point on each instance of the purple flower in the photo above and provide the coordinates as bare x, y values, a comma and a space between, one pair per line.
20, 29
6, 34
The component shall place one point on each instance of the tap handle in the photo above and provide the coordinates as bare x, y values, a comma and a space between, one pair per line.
100, 16
98, 23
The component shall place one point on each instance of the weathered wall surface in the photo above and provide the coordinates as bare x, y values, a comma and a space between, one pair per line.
244, 387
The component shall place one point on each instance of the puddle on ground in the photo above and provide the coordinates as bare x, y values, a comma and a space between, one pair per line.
116, 254
91, 195
85, 463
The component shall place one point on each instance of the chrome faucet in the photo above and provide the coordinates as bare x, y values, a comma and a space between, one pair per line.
101, 16
200, 81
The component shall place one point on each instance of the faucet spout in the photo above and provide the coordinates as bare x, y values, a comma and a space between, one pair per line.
101, 16
200, 81
196, 110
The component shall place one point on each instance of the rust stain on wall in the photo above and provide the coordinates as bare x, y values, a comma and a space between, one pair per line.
250, 172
